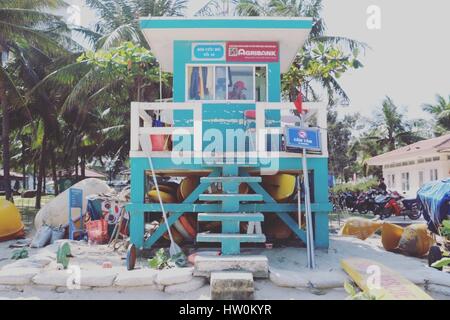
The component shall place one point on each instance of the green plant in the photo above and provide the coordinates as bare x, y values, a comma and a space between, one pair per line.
355, 294
358, 187
445, 229
161, 260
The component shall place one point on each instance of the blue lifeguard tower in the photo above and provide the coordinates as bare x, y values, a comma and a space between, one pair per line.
226, 123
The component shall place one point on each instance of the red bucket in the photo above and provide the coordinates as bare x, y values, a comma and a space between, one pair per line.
159, 142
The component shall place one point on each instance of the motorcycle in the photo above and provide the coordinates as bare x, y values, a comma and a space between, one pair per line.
366, 201
347, 201
395, 204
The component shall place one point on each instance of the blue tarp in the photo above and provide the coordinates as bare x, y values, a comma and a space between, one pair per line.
434, 198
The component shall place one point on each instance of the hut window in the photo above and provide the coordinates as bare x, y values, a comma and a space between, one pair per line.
240, 83
201, 83
226, 83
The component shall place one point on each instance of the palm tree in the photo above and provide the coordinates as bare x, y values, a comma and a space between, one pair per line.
21, 22
391, 128
119, 20
441, 113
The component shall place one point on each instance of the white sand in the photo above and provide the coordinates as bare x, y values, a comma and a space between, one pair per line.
281, 259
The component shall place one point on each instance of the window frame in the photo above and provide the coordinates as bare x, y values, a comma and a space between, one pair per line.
226, 101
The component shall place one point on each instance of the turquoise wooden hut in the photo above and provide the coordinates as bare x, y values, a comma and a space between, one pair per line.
226, 124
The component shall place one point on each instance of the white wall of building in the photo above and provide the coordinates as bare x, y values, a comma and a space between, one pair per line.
429, 168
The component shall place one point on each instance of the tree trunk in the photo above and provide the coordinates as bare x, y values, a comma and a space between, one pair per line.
54, 175
5, 143
83, 165
34, 174
24, 165
41, 175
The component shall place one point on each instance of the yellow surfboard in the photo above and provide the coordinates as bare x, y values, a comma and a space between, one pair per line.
380, 281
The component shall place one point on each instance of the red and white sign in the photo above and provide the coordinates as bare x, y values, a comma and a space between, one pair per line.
252, 52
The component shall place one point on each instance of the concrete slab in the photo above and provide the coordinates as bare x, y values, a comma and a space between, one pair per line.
172, 276
136, 278
256, 264
232, 286
98, 277
194, 284
18, 276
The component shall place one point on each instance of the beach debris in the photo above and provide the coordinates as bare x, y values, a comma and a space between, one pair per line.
390, 236
360, 228
107, 265
416, 240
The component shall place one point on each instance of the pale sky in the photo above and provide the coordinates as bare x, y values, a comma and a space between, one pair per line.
409, 58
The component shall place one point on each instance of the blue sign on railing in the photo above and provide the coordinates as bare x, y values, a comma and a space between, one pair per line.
208, 51
303, 138
76, 198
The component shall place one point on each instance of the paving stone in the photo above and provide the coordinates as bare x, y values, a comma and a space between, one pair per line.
18, 276
232, 286
256, 264
194, 284
172, 276
136, 278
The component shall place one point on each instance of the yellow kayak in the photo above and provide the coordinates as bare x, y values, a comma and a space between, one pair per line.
166, 197
11, 225
187, 186
279, 186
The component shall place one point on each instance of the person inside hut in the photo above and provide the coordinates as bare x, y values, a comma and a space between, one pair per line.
237, 93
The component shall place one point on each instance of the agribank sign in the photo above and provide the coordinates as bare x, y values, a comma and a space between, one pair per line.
252, 52
235, 51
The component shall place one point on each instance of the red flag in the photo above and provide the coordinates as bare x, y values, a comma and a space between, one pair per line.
299, 103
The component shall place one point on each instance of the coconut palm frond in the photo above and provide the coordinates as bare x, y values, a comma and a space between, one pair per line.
342, 41
127, 32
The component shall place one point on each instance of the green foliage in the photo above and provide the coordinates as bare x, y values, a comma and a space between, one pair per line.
359, 187
161, 260
323, 64
441, 114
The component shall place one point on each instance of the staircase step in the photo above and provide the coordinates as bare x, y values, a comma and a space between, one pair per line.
230, 179
235, 197
230, 217
219, 237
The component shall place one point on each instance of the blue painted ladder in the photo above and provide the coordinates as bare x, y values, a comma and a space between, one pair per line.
231, 215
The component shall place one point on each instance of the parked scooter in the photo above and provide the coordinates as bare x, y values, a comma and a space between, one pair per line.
366, 201
395, 204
